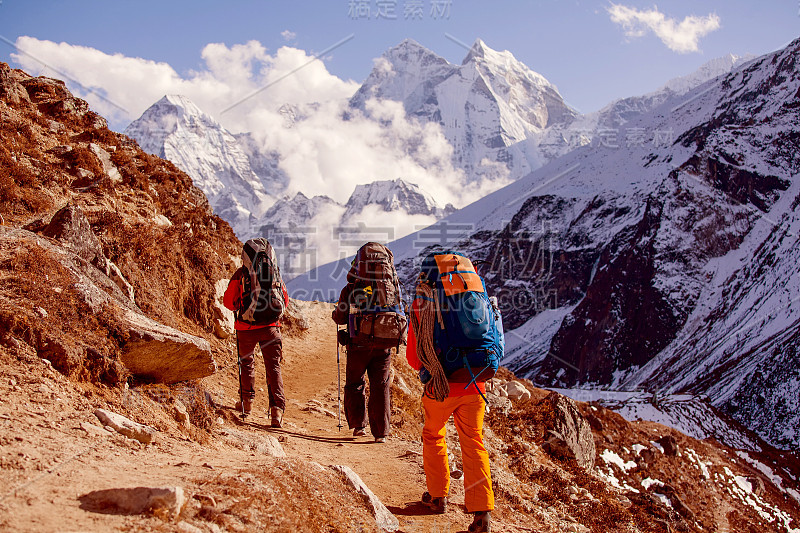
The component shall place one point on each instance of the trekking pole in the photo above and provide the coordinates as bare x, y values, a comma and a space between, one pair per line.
243, 415
338, 380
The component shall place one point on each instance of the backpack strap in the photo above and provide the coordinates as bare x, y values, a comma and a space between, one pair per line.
474, 378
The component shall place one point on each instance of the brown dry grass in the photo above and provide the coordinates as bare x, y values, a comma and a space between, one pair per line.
79, 343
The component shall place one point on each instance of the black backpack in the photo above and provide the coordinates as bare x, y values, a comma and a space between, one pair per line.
262, 286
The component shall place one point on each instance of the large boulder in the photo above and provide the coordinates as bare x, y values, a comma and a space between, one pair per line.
223, 317
10, 89
670, 445
127, 427
570, 436
70, 226
498, 404
105, 160
517, 391
164, 354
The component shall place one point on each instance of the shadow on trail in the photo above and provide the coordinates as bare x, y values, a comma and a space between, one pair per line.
418, 509
410, 509
305, 436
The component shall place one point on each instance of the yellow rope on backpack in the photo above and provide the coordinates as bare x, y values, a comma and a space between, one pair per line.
423, 321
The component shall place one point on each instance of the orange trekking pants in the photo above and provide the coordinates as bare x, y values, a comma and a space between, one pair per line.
468, 413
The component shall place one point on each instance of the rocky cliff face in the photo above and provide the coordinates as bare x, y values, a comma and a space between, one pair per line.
634, 290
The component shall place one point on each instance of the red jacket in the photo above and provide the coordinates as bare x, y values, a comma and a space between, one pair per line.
456, 389
233, 299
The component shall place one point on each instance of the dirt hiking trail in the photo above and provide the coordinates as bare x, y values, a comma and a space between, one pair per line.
52, 461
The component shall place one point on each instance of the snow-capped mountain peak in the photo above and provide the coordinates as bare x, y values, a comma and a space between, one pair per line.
395, 195
176, 129
400, 71
709, 70
492, 108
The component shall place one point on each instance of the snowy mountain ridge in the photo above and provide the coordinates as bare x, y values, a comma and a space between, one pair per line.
502, 118
492, 108
395, 195
174, 128
246, 186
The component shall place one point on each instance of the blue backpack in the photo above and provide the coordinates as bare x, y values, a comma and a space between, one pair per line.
468, 332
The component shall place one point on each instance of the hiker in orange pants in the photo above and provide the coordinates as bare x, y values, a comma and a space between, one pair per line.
467, 407
467, 411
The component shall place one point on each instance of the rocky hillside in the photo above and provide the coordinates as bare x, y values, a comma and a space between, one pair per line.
109, 253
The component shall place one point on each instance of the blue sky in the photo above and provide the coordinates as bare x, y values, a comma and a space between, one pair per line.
575, 44
251, 65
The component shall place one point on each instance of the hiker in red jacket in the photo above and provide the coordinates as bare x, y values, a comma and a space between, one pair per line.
251, 331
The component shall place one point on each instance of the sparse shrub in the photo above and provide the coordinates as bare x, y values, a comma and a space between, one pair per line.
82, 157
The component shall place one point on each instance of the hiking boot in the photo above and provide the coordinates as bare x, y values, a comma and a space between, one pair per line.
482, 523
276, 414
380, 439
248, 404
437, 505
359, 432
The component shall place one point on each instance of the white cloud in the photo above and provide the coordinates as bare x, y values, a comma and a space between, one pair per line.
230, 74
320, 151
679, 37
288, 35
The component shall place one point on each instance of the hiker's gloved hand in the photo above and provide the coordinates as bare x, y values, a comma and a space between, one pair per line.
339, 315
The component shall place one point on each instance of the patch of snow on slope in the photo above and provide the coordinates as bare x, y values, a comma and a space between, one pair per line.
688, 414
768, 472
699, 463
649, 482
612, 458
741, 488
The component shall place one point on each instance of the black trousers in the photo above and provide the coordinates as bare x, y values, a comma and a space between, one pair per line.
377, 365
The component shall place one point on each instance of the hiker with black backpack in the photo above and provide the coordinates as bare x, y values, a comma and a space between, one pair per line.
371, 307
257, 294
455, 341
